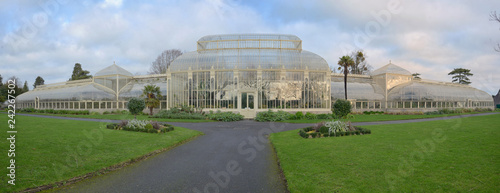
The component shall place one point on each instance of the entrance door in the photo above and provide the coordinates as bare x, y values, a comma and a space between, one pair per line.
248, 104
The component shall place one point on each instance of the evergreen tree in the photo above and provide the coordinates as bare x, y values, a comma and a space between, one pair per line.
38, 81
416, 76
79, 73
25, 87
460, 75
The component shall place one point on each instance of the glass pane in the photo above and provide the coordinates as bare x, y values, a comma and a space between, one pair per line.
244, 100
250, 101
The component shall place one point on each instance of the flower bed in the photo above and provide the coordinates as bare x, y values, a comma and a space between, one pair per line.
141, 126
332, 129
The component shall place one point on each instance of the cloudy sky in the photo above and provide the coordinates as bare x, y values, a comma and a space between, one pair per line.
47, 37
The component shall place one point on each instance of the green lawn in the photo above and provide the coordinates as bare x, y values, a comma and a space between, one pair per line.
128, 117
458, 155
382, 117
52, 150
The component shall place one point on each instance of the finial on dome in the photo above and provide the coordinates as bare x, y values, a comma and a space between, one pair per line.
114, 63
390, 62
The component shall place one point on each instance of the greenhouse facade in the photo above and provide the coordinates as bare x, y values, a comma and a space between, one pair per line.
249, 73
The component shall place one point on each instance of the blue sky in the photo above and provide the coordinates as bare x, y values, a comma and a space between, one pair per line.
46, 38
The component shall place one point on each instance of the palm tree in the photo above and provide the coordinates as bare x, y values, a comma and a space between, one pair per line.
153, 96
345, 62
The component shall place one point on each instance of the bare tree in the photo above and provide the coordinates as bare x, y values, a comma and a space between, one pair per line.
495, 17
163, 61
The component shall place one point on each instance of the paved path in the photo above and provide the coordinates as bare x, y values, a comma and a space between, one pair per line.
230, 157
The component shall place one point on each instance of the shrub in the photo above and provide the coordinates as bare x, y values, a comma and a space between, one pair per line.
225, 116
324, 129
272, 116
318, 126
310, 116
112, 126
341, 108
95, 113
122, 124
167, 128
302, 133
148, 126
175, 113
299, 115
155, 125
324, 116
28, 110
135, 106
314, 135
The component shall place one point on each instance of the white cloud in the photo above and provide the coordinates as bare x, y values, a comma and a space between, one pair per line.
428, 37
111, 3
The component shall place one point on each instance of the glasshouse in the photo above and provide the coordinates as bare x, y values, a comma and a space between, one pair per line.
249, 73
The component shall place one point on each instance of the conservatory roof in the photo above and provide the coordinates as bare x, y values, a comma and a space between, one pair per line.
391, 69
355, 90
113, 70
423, 90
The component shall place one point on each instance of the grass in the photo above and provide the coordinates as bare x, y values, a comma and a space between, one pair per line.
382, 117
458, 155
128, 117
53, 150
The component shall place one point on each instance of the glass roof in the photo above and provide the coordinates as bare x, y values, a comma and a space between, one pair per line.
391, 69
355, 90
113, 70
247, 41
418, 90
250, 59
74, 93
135, 89
248, 36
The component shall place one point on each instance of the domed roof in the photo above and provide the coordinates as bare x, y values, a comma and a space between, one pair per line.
391, 69
420, 90
249, 51
113, 70
249, 59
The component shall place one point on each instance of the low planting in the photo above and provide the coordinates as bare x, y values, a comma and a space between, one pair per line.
141, 126
279, 115
191, 113
373, 112
332, 129
174, 113
270, 115
458, 111
52, 111
224, 116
